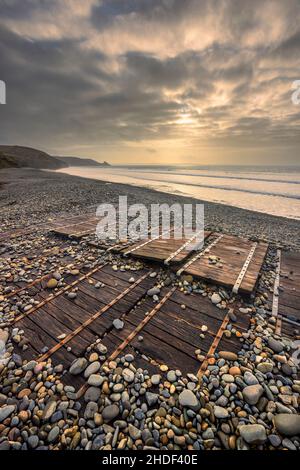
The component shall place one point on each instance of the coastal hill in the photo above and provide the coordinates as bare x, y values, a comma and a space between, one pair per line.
18, 156
78, 161
15, 156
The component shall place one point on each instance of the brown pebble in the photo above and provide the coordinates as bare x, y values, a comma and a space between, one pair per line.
25, 392
235, 370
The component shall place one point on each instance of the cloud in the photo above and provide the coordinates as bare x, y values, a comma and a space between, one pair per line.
150, 76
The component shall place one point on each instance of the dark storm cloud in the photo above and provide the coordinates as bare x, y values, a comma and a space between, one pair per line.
54, 88
171, 72
14, 9
288, 49
106, 12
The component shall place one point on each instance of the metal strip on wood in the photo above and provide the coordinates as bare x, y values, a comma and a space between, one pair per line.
278, 325
213, 346
125, 245
143, 244
275, 303
243, 272
132, 335
91, 319
56, 294
175, 253
38, 279
291, 322
199, 255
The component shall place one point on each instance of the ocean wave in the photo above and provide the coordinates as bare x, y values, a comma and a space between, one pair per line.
226, 188
245, 178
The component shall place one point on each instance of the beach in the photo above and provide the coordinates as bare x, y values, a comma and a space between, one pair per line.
103, 350
273, 190
32, 196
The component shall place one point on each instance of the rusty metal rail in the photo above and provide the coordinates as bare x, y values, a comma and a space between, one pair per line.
213, 346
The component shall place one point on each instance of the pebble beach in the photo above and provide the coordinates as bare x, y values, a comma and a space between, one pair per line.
248, 400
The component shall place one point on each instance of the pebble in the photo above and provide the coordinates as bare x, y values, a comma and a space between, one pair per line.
155, 379
6, 411
128, 375
216, 299
229, 356
134, 432
151, 398
92, 394
52, 283
110, 412
33, 442
188, 398
78, 366
53, 434
265, 367
274, 440
118, 324
49, 410
92, 369
253, 433
171, 376
95, 380
153, 291
288, 444
275, 345
252, 394
72, 295
221, 412
250, 379
102, 348
287, 424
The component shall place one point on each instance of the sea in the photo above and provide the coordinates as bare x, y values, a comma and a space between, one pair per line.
269, 189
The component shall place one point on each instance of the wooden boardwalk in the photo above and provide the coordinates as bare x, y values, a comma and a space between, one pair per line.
167, 250
229, 261
76, 227
56, 314
182, 331
170, 333
286, 298
64, 225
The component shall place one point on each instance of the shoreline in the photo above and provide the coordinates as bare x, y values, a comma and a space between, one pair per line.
48, 193
180, 364
264, 199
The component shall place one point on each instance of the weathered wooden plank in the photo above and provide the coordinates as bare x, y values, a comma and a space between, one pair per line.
161, 249
289, 291
233, 344
198, 303
165, 353
290, 300
166, 333
55, 328
39, 338
123, 275
290, 330
233, 253
69, 320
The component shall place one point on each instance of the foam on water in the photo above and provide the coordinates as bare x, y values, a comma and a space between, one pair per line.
272, 190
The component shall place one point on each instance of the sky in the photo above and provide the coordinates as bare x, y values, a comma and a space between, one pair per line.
152, 81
